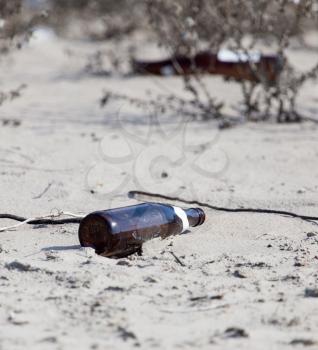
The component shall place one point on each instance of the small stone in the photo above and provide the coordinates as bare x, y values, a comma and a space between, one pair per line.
305, 342
293, 322
290, 277
311, 234
16, 319
49, 340
234, 332
311, 292
52, 255
207, 297
123, 263
150, 280
125, 334
114, 289
16, 265
238, 274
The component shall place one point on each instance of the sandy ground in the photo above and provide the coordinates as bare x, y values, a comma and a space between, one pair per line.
247, 281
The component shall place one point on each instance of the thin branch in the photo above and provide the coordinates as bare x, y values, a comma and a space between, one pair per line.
177, 259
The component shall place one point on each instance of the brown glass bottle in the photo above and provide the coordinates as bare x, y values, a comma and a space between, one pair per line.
122, 231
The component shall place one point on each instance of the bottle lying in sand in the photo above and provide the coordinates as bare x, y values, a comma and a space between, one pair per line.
122, 231
227, 63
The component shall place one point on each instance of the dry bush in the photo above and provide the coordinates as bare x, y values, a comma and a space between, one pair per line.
9, 14
102, 21
98, 19
16, 24
9, 31
187, 27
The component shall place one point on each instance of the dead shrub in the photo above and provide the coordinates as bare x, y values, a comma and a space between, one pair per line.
246, 28
242, 26
16, 24
97, 19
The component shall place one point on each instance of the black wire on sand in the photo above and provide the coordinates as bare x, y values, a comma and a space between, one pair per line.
41, 221
136, 194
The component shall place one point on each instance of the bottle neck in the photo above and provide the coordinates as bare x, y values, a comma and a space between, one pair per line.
196, 216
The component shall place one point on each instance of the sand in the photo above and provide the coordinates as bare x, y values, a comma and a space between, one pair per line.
245, 281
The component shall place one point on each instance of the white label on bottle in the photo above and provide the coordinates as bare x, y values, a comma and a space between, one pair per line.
225, 55
183, 216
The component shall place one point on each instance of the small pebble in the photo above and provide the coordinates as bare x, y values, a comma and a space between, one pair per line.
234, 332
311, 292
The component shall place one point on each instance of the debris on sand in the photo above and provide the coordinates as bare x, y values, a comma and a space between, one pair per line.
207, 297
238, 274
304, 342
114, 289
125, 334
253, 265
234, 332
16, 320
311, 292
311, 234
16, 265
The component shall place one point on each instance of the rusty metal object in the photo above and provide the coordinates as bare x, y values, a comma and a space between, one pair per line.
267, 67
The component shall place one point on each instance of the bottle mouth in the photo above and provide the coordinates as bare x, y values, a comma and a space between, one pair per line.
201, 216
